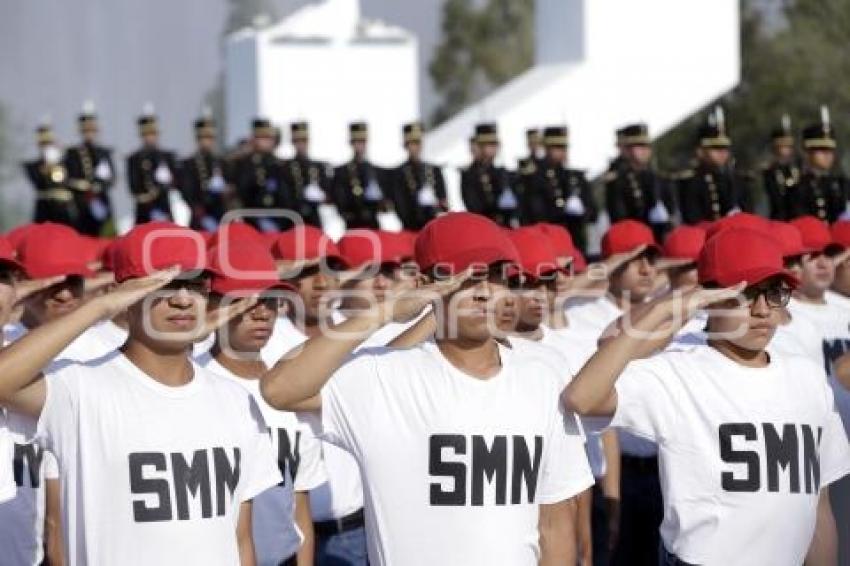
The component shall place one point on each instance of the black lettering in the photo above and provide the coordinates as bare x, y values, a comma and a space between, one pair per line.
438, 468
525, 469
811, 458
288, 455
226, 476
28, 457
752, 481
191, 480
782, 452
141, 486
488, 463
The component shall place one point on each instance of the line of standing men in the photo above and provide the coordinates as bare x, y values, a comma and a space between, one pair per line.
74, 189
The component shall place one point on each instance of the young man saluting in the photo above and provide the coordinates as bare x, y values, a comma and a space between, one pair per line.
159, 459
466, 456
748, 440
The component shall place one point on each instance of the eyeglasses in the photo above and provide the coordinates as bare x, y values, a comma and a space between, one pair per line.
776, 296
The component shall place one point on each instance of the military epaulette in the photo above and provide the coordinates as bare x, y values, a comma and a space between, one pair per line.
683, 174
527, 167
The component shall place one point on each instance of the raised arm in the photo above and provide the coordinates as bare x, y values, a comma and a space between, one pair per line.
592, 391
301, 377
21, 364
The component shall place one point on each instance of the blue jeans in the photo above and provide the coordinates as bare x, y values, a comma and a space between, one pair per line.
343, 549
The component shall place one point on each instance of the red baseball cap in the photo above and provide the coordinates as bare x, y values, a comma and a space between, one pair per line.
815, 234
399, 245
559, 238
153, 246
789, 239
579, 263
684, 242
740, 220
50, 249
8, 257
305, 242
625, 236
739, 254
364, 247
234, 232
537, 256
243, 268
840, 232
457, 240
17, 235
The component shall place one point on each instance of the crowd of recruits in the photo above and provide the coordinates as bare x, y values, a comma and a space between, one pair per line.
458, 426
74, 190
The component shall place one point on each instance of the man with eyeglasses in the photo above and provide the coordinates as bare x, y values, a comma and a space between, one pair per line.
159, 459
466, 459
748, 440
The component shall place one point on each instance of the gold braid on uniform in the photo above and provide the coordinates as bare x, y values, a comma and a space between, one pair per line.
151, 191
411, 180
354, 177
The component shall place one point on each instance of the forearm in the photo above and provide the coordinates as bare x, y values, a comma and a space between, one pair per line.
53, 540
558, 534
244, 536
424, 329
304, 521
584, 531
22, 361
823, 550
842, 370
296, 379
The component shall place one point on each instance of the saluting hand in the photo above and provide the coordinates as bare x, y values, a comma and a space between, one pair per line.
29, 287
133, 290
414, 296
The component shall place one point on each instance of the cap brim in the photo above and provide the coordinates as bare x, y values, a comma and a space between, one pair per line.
759, 274
39, 272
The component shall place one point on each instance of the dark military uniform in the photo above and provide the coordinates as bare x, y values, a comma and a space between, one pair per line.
823, 194
55, 202
205, 181
152, 173
91, 173
638, 193
556, 194
260, 185
781, 178
308, 179
487, 189
708, 193
419, 191
360, 188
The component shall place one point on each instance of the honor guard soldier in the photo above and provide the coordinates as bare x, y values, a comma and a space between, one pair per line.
91, 173
633, 189
535, 152
205, 177
358, 185
310, 180
782, 175
54, 200
419, 192
557, 194
485, 187
823, 191
259, 179
713, 188
152, 173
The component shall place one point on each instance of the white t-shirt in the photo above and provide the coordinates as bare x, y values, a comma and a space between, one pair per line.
342, 493
95, 342
152, 474
22, 518
743, 453
454, 467
276, 537
832, 322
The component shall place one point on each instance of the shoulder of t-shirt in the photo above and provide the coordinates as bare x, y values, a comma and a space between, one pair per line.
539, 361
802, 366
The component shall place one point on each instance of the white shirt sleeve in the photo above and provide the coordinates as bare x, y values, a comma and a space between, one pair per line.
259, 468
311, 468
50, 466
347, 401
7, 479
565, 471
834, 446
646, 400
58, 423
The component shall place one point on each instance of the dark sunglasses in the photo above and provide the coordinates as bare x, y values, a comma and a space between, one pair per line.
775, 295
197, 286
